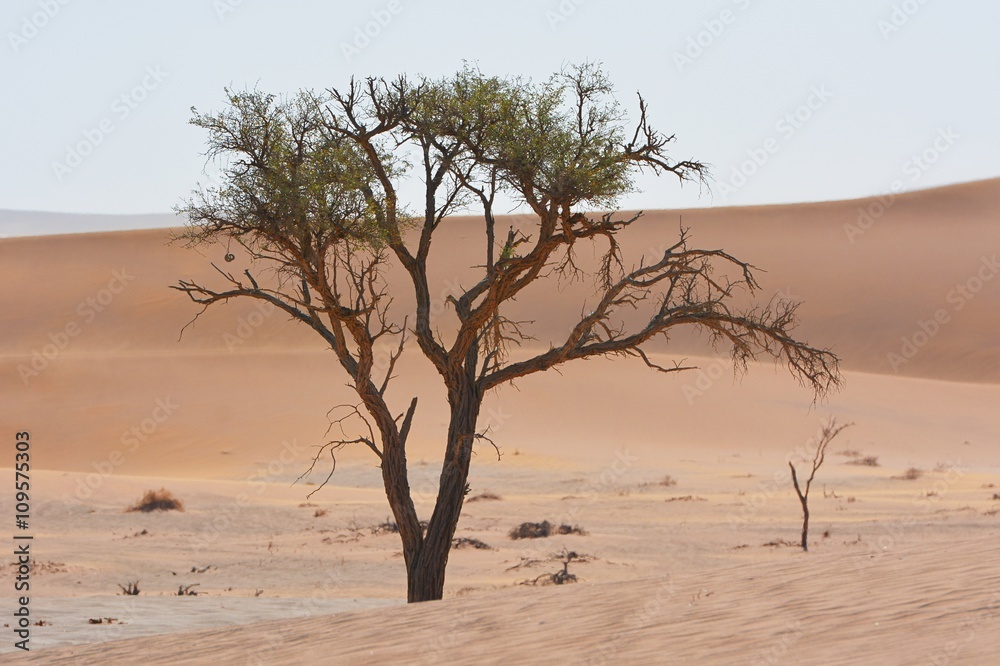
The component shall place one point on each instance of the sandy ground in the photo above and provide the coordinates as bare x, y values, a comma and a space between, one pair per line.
820, 609
698, 568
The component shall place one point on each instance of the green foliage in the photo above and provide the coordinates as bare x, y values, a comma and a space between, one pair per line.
285, 176
321, 170
557, 142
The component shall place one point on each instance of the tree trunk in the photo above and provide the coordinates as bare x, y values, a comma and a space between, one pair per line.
425, 577
804, 501
426, 571
805, 525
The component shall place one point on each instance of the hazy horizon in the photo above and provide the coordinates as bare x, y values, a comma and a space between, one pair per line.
788, 103
22, 223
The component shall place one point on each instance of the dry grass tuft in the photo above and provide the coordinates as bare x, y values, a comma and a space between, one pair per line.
485, 497
686, 498
543, 529
388, 527
912, 474
560, 577
157, 500
778, 543
468, 542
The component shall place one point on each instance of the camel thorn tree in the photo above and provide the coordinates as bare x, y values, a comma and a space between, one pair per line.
311, 188
826, 435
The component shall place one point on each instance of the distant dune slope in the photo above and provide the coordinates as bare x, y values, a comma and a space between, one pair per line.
895, 286
92, 365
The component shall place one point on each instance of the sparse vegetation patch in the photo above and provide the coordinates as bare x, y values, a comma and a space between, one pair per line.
467, 542
911, 474
777, 543
157, 500
543, 529
561, 577
485, 497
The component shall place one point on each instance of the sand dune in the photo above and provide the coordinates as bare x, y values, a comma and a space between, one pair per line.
866, 285
229, 416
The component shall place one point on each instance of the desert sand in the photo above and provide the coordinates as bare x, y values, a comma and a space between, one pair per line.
680, 482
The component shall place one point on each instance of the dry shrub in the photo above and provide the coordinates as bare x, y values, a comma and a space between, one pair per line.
543, 529
319, 513
532, 530
866, 461
557, 578
560, 577
467, 542
912, 474
157, 500
388, 527
571, 529
777, 543
666, 482
187, 590
485, 497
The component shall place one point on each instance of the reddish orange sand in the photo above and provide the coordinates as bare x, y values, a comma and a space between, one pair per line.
227, 417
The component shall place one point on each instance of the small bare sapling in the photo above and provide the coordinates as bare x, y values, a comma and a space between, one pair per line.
830, 430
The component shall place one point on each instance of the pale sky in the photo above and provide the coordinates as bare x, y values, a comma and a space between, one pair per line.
832, 100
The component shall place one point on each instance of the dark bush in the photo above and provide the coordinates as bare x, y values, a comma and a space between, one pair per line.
157, 500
